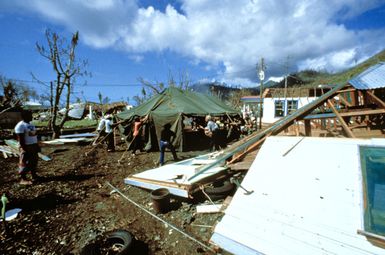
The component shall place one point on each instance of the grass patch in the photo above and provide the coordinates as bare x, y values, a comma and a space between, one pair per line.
69, 124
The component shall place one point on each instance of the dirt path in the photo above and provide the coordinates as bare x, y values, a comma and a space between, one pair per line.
72, 205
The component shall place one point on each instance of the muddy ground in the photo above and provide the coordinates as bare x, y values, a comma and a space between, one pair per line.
72, 205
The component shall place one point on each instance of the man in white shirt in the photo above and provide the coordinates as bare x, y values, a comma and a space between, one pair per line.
29, 148
105, 128
211, 130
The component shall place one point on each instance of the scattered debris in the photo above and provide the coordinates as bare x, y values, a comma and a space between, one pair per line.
13, 145
11, 214
78, 135
216, 208
176, 177
163, 221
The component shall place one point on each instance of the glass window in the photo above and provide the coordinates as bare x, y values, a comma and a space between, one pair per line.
292, 106
373, 171
279, 108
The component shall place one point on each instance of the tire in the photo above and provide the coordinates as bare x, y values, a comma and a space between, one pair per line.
220, 192
121, 238
121, 241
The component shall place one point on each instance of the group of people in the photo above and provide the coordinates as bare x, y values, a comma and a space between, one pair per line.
105, 129
29, 148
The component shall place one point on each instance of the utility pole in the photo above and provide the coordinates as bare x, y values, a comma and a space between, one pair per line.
285, 91
261, 75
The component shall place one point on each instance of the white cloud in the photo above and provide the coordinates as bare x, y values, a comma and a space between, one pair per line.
224, 33
276, 79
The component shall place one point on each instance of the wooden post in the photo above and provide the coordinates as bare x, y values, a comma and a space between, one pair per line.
353, 97
307, 127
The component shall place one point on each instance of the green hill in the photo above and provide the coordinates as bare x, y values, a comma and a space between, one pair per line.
311, 78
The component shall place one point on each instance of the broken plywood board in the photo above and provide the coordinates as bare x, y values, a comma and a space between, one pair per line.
175, 176
309, 200
79, 135
14, 145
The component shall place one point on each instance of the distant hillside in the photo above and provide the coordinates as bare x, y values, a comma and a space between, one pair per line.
305, 78
224, 91
311, 78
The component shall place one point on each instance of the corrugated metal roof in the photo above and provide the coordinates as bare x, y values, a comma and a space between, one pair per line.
372, 78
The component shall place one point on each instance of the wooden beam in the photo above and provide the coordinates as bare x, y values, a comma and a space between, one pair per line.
346, 90
252, 147
376, 99
346, 114
366, 112
344, 101
341, 120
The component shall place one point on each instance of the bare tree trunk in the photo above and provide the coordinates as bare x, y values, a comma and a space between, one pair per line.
67, 68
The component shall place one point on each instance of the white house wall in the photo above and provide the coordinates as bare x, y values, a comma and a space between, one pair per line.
269, 107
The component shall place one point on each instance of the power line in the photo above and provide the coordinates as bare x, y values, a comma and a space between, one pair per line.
87, 84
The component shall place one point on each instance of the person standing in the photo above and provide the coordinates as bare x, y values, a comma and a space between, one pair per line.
105, 129
28, 146
211, 130
166, 136
136, 140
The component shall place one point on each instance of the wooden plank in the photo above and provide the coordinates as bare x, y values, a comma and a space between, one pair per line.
366, 112
4, 154
347, 90
163, 183
341, 120
216, 208
152, 186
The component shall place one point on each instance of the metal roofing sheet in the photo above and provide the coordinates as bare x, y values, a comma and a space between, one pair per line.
311, 207
372, 78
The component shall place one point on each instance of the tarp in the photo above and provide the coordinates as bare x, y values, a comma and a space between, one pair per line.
170, 107
76, 110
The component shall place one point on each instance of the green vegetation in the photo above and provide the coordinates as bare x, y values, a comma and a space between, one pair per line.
313, 78
70, 123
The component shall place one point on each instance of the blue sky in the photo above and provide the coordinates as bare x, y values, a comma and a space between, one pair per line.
219, 40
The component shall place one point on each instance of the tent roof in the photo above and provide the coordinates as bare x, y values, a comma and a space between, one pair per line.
174, 101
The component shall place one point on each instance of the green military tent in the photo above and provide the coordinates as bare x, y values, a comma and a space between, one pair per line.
171, 106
